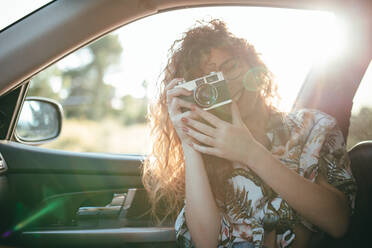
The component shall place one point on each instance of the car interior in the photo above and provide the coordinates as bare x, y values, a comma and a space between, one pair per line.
52, 198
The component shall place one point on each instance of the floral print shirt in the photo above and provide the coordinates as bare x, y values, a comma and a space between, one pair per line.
306, 141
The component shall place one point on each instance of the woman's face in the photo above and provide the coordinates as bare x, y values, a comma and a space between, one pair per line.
234, 70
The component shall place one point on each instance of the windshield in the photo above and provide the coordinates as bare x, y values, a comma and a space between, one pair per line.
11, 11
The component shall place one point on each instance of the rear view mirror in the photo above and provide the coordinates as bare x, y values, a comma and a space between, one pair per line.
40, 121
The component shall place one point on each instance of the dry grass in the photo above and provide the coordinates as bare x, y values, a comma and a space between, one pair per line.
107, 136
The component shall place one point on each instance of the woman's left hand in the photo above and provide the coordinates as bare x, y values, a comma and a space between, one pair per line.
230, 141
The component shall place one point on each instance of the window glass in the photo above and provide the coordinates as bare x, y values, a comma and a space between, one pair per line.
103, 112
11, 11
105, 87
361, 114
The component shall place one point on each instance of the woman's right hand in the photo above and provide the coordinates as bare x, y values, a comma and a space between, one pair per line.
175, 104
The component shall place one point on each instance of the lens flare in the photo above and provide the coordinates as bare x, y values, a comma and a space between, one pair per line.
37, 215
252, 78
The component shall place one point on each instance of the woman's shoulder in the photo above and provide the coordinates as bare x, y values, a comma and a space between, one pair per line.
310, 119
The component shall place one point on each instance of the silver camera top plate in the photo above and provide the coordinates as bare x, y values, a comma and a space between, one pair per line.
212, 77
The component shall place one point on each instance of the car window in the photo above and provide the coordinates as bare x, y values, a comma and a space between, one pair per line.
105, 87
361, 114
103, 111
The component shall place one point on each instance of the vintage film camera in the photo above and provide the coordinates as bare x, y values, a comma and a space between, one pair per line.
210, 93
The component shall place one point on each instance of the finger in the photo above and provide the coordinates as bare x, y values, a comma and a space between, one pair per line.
236, 117
291, 239
201, 127
178, 103
173, 83
199, 136
177, 92
205, 149
286, 243
285, 240
286, 234
210, 118
177, 120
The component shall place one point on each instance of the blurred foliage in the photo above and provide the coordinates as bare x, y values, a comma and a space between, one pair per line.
81, 89
109, 136
135, 110
360, 127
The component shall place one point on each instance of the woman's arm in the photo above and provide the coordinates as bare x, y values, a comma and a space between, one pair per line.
202, 215
319, 203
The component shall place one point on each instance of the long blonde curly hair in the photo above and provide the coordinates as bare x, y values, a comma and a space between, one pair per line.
164, 168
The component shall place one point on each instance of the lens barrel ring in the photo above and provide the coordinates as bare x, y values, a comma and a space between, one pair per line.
205, 95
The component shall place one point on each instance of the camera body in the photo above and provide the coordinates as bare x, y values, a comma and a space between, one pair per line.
210, 93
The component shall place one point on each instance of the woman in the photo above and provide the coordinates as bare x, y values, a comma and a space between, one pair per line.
285, 175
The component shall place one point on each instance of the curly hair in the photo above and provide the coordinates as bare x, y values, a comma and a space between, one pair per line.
164, 169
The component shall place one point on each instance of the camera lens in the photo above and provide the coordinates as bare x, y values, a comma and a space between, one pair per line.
205, 95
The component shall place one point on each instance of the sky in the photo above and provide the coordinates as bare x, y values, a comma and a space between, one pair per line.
289, 41
12, 10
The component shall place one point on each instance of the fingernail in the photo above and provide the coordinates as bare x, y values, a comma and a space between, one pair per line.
190, 144
185, 129
183, 119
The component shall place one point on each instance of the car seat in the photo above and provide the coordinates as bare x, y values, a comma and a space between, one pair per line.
361, 223
360, 229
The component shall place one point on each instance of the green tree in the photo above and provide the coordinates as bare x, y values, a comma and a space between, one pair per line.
134, 110
82, 91
42, 84
87, 87
360, 127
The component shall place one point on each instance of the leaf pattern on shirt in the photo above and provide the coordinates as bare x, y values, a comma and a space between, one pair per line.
238, 203
307, 142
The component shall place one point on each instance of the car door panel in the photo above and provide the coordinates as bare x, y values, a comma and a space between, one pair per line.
48, 187
36, 174
28, 158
